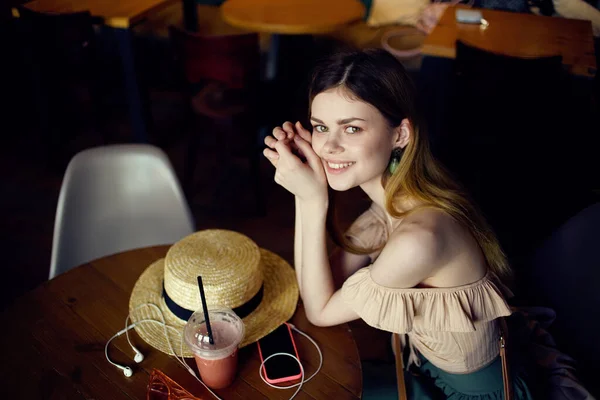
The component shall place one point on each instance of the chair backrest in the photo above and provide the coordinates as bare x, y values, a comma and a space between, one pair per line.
230, 59
116, 198
510, 84
565, 276
508, 114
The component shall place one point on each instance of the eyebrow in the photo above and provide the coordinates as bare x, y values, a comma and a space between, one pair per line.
339, 121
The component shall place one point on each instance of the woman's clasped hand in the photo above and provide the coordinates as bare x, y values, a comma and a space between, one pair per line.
297, 167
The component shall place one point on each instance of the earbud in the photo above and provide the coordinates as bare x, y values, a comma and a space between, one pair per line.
126, 371
139, 357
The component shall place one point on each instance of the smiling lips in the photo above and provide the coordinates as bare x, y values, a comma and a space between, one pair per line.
337, 167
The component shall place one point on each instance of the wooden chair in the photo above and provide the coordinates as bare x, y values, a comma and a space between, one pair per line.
60, 53
221, 76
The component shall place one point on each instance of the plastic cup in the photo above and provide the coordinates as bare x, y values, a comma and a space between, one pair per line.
217, 363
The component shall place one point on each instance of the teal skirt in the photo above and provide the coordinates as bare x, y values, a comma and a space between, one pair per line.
430, 382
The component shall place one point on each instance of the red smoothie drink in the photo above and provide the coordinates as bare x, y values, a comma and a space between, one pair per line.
217, 363
220, 373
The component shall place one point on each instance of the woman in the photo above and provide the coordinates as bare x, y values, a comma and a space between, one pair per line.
420, 260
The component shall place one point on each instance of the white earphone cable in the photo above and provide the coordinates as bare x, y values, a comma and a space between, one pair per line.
127, 370
260, 368
302, 381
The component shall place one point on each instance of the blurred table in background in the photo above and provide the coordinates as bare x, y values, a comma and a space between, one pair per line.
518, 35
113, 13
290, 17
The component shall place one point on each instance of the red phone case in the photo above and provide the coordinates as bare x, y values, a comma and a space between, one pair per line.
286, 378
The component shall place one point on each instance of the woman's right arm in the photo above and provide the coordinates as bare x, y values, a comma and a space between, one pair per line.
344, 264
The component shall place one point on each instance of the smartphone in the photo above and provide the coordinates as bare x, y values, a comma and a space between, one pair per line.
279, 368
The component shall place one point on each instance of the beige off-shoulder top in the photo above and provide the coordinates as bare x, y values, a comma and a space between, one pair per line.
455, 328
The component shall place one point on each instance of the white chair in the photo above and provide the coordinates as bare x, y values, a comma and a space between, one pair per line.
116, 198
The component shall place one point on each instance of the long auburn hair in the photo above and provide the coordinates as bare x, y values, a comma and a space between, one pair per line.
376, 77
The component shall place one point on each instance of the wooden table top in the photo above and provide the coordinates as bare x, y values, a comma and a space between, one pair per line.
54, 336
521, 35
291, 16
115, 13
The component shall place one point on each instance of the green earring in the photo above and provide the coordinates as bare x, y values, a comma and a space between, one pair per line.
395, 161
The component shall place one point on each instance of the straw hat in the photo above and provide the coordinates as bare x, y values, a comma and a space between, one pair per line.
257, 284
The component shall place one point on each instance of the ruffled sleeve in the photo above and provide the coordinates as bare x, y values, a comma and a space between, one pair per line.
368, 231
435, 309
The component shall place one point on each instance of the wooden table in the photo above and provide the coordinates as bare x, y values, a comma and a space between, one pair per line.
521, 35
289, 17
114, 13
292, 16
54, 336
119, 16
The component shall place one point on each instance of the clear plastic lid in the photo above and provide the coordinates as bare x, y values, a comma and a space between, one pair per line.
227, 330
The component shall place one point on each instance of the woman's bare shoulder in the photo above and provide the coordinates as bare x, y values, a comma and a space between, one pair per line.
429, 218
430, 248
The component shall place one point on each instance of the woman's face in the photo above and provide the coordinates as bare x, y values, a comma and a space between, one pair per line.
352, 138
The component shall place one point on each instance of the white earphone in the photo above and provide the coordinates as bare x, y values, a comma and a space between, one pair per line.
127, 371
139, 357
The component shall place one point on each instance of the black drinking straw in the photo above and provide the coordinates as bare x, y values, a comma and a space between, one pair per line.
205, 308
